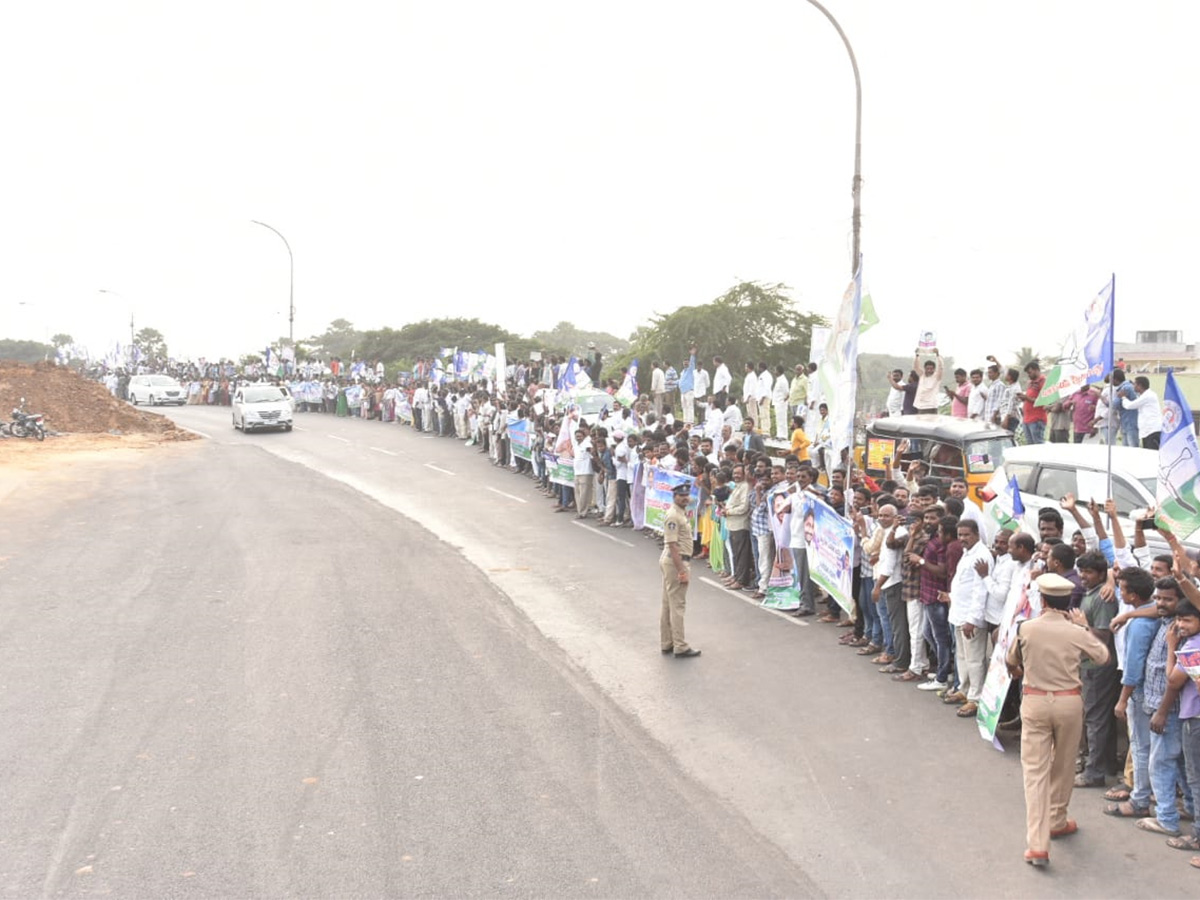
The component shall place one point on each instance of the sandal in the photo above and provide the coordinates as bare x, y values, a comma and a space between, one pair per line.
1184, 842
967, 710
884, 660
1126, 810
846, 640
1117, 793
1152, 824
828, 619
867, 650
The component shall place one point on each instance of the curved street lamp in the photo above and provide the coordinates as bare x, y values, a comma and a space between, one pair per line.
856, 185
291, 279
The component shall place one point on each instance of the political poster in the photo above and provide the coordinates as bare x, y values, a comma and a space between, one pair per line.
561, 469
521, 437
783, 585
830, 542
1023, 603
660, 486
880, 451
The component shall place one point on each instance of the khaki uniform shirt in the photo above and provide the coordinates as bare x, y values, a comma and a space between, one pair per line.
676, 530
1049, 647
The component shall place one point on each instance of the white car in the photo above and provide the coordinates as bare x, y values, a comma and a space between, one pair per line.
156, 390
258, 406
1046, 473
590, 404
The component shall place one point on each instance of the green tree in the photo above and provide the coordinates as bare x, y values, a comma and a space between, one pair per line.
751, 322
566, 339
1025, 356
340, 339
24, 351
62, 340
151, 343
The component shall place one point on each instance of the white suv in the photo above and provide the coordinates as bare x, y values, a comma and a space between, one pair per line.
257, 406
156, 390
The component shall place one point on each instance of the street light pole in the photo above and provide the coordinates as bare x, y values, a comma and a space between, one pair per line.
291, 281
115, 294
856, 185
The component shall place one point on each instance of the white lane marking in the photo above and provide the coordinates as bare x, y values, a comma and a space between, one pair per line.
601, 533
336, 438
381, 450
437, 469
509, 496
746, 598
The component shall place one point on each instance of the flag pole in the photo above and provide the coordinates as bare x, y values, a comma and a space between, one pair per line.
1112, 357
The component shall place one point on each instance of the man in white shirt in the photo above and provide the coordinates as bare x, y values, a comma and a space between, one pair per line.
929, 387
722, 381
714, 418
585, 471
976, 396
798, 394
895, 398
999, 580
968, 598
733, 417
1149, 413
779, 402
658, 388
700, 385
766, 384
750, 392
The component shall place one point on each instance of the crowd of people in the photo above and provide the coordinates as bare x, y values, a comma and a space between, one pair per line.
928, 591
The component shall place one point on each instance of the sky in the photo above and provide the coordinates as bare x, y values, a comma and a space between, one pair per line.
530, 162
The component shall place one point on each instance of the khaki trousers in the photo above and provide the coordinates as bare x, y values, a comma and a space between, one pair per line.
585, 489
972, 661
674, 604
1050, 729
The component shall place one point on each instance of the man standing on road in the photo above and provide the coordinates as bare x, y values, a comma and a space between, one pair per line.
1046, 655
968, 616
677, 552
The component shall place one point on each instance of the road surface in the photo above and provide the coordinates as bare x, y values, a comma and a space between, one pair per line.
355, 660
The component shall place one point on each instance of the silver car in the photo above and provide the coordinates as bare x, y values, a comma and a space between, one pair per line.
156, 390
260, 406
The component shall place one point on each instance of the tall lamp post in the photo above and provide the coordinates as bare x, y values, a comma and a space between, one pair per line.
115, 294
291, 280
856, 185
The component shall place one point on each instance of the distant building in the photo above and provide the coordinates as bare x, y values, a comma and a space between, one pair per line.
1157, 351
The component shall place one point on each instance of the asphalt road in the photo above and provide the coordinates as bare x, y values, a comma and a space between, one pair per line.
356, 661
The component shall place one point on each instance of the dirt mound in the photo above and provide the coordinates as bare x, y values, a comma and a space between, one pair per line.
74, 405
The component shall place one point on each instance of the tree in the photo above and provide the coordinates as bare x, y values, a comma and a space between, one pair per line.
340, 340
151, 343
1025, 356
24, 351
751, 322
62, 340
565, 338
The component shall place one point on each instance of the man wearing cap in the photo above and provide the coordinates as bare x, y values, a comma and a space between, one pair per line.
1045, 654
677, 551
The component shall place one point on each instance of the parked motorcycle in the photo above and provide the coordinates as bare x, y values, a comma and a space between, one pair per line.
27, 424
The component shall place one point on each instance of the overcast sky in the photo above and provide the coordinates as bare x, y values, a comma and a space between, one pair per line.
528, 162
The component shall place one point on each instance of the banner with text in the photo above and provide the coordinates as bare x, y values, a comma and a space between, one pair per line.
830, 542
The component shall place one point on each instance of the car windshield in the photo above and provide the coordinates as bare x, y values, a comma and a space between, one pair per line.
589, 403
264, 395
984, 455
162, 380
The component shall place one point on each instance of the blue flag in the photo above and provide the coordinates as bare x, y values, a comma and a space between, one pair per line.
566, 381
1088, 352
1178, 465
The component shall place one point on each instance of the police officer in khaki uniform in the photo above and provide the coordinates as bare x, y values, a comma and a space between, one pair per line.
1046, 655
677, 551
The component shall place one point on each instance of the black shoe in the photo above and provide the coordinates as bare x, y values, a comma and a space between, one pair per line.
686, 654
667, 650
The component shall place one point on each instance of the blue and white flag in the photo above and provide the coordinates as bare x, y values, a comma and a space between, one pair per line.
566, 381
1088, 353
1010, 499
1178, 465
838, 372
